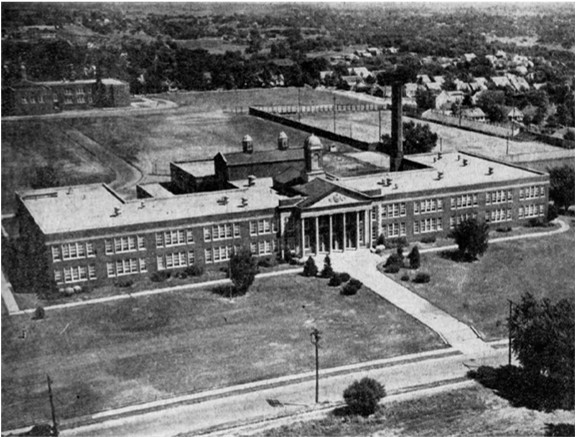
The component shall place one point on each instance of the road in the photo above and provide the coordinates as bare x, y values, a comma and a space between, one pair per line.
251, 407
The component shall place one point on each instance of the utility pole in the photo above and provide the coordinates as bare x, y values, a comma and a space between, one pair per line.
507, 144
440, 143
510, 332
334, 107
315, 339
54, 425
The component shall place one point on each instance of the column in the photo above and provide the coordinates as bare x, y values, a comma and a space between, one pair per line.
302, 225
357, 230
330, 233
317, 235
343, 231
368, 228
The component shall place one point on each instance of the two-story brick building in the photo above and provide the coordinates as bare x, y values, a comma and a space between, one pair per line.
90, 235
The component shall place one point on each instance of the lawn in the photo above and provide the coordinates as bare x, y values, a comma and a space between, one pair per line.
200, 101
110, 355
473, 411
364, 126
478, 292
151, 142
27, 146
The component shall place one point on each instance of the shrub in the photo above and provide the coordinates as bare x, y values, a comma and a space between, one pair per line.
344, 277
327, 271
504, 229
182, 275
422, 278
125, 284
39, 313
398, 242
351, 288
381, 241
310, 268
552, 212
392, 269
362, 396
428, 240
471, 236
194, 270
414, 257
535, 223
243, 270
400, 252
266, 262
335, 280
405, 277
160, 276
395, 260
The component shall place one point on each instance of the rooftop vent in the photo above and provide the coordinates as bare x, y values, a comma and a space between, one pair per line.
458, 157
395, 187
117, 212
439, 156
490, 171
433, 159
251, 180
464, 162
440, 175
244, 202
247, 144
141, 205
69, 191
223, 200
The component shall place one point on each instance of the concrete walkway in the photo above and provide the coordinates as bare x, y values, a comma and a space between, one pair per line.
8, 296
362, 265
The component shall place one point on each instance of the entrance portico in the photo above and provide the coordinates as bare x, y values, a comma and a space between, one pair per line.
333, 231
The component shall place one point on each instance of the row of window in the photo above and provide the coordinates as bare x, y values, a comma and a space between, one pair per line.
457, 219
218, 253
532, 192
123, 267
69, 275
499, 196
463, 201
530, 211
394, 210
174, 260
394, 229
263, 226
174, 238
499, 215
263, 247
129, 243
32, 99
431, 224
72, 251
427, 205
222, 232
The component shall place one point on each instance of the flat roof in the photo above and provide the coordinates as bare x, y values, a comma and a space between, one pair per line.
377, 159
88, 207
156, 190
263, 156
454, 174
199, 168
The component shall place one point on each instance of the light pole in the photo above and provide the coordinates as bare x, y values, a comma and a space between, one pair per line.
510, 331
315, 339
379, 124
54, 425
334, 107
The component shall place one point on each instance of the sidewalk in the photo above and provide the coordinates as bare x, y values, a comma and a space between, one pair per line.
457, 334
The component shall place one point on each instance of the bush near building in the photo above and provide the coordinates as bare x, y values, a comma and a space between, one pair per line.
362, 396
471, 236
243, 269
310, 268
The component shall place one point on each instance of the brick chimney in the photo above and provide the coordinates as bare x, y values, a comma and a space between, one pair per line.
397, 148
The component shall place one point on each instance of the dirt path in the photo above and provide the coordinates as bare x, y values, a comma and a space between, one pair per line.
127, 175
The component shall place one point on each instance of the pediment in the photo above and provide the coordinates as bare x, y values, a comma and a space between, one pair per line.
336, 199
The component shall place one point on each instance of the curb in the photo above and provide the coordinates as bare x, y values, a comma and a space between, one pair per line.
195, 398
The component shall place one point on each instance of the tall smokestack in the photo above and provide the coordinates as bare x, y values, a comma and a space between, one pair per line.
397, 149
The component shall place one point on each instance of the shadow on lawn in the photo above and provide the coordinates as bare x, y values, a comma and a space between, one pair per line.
456, 256
526, 390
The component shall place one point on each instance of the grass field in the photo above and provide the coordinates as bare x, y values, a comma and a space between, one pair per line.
364, 126
473, 411
153, 141
109, 355
27, 146
477, 292
216, 100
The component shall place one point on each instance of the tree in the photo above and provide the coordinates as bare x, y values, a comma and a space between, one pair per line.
418, 138
471, 236
562, 186
310, 268
243, 269
543, 339
425, 99
362, 396
414, 258
491, 103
